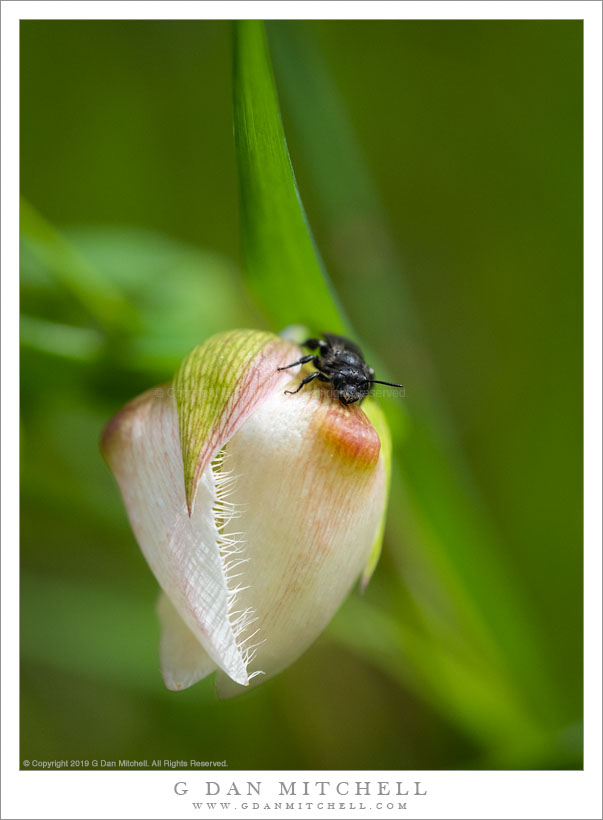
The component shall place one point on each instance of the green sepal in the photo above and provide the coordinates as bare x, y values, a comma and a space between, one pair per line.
204, 386
377, 418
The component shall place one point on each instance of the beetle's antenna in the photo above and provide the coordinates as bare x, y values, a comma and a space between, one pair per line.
376, 381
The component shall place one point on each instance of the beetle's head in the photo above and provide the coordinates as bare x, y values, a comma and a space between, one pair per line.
350, 385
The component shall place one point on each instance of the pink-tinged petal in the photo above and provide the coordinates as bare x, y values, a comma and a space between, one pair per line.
218, 386
142, 446
309, 480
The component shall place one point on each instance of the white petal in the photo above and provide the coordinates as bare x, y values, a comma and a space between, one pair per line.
183, 659
310, 484
142, 447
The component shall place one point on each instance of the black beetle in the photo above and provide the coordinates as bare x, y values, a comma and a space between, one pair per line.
341, 363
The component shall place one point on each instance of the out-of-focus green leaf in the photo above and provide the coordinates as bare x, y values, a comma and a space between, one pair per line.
183, 294
103, 300
283, 265
179, 295
78, 343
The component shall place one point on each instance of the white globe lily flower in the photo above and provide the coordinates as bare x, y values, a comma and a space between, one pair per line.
256, 511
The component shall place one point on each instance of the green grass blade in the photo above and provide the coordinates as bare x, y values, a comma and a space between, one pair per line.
283, 266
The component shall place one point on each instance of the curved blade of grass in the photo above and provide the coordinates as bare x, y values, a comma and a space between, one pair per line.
283, 265
437, 506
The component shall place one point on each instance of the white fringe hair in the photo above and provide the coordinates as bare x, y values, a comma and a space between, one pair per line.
231, 546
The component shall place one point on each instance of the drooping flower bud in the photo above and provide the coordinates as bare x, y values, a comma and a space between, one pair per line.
255, 510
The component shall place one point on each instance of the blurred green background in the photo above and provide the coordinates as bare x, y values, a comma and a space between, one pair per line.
455, 245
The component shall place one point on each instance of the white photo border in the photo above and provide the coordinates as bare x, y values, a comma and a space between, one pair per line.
450, 794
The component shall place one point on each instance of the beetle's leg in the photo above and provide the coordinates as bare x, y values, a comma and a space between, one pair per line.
303, 360
314, 343
309, 378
